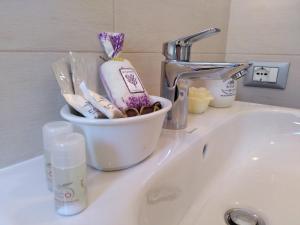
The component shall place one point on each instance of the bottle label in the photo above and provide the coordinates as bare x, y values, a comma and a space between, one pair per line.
69, 186
229, 88
48, 168
132, 80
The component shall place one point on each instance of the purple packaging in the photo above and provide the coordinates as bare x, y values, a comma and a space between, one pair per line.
120, 79
112, 43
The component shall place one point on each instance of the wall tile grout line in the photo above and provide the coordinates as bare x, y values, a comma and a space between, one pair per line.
100, 52
114, 15
228, 27
141, 52
46, 51
193, 53
264, 54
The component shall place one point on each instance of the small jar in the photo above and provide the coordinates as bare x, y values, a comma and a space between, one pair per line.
223, 91
51, 131
69, 174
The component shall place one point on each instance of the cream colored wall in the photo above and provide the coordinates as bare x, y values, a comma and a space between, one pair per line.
36, 33
266, 30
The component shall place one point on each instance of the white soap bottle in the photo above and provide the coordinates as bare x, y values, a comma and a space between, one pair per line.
69, 174
51, 131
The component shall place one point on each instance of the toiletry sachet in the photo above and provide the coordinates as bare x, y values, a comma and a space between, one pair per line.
100, 103
120, 79
82, 81
62, 72
83, 106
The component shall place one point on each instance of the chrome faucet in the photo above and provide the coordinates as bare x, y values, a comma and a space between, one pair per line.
177, 71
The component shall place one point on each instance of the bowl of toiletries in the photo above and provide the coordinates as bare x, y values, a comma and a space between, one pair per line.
114, 144
122, 125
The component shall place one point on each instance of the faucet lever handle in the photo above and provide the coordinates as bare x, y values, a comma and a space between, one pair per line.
189, 40
180, 49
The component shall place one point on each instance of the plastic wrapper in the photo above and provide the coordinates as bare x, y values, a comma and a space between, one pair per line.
112, 43
83, 106
120, 79
62, 72
79, 71
101, 103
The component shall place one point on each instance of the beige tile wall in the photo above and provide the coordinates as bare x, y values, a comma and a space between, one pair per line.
268, 31
53, 26
148, 24
36, 33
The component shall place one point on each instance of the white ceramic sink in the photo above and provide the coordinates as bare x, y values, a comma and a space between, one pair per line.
252, 160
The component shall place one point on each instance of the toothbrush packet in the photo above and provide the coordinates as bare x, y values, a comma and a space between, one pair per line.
62, 73
101, 103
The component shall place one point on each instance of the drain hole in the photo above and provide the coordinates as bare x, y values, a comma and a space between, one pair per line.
204, 150
242, 217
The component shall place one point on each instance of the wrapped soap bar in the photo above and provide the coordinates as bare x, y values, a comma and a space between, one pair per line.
100, 103
198, 99
120, 80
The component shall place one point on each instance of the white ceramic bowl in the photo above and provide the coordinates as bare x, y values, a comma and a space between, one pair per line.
114, 144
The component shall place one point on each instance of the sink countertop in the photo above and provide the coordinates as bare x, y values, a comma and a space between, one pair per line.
112, 196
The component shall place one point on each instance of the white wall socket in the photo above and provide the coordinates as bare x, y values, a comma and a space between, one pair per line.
267, 74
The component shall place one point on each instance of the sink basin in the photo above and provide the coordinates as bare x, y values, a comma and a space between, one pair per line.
246, 156
250, 161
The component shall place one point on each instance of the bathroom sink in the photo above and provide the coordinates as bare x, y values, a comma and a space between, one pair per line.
250, 161
246, 156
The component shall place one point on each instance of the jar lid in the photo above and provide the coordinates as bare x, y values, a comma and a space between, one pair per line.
54, 129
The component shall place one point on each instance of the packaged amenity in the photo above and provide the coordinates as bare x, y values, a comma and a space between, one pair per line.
51, 131
63, 75
100, 103
83, 106
124, 89
120, 80
198, 99
69, 174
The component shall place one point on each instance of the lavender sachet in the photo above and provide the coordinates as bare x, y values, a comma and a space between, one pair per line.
112, 43
120, 79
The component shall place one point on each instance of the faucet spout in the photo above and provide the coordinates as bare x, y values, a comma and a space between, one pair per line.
175, 82
177, 71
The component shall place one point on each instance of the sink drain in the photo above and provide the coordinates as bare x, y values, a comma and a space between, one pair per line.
242, 217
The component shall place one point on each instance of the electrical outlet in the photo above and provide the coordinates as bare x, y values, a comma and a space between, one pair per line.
267, 74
